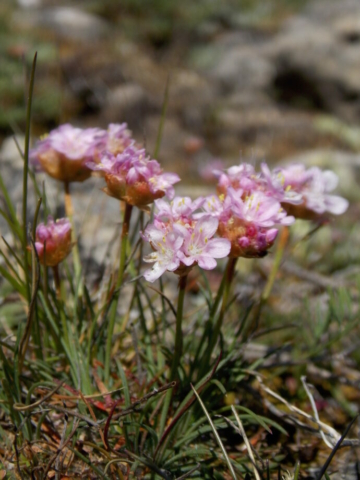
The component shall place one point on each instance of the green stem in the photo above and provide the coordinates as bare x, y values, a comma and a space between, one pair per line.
115, 298
208, 325
283, 240
59, 299
177, 350
69, 210
178, 331
228, 278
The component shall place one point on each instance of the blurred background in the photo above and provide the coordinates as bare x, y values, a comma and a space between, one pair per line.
275, 80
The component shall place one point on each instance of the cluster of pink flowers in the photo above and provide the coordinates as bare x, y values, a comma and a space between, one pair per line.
53, 241
71, 154
179, 240
246, 211
133, 177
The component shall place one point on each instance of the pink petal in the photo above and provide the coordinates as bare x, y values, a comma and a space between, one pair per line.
218, 248
207, 263
335, 204
207, 225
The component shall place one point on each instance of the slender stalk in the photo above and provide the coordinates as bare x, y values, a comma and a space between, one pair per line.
25, 175
178, 331
57, 281
69, 209
177, 350
229, 275
208, 326
123, 247
283, 241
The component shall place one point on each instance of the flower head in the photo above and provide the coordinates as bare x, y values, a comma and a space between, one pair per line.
305, 192
118, 138
133, 177
241, 177
199, 246
63, 153
179, 240
53, 241
165, 256
249, 222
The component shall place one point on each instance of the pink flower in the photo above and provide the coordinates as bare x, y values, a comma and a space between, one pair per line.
131, 176
316, 193
180, 210
53, 241
180, 241
307, 190
199, 246
284, 184
118, 138
241, 177
211, 170
248, 222
212, 205
63, 153
165, 256
258, 209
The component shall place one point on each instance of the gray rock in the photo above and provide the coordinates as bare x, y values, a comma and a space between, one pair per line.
9, 152
243, 68
125, 102
69, 22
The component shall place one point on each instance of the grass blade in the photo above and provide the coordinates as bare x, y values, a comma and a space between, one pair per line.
25, 173
218, 439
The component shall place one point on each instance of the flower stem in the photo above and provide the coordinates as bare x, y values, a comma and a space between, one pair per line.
69, 209
177, 350
60, 299
178, 331
57, 281
115, 298
228, 278
283, 240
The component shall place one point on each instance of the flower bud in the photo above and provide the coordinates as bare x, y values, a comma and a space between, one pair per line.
53, 241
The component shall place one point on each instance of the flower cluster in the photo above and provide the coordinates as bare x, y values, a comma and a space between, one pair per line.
305, 193
179, 240
250, 205
133, 177
53, 241
246, 212
70, 154
64, 152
